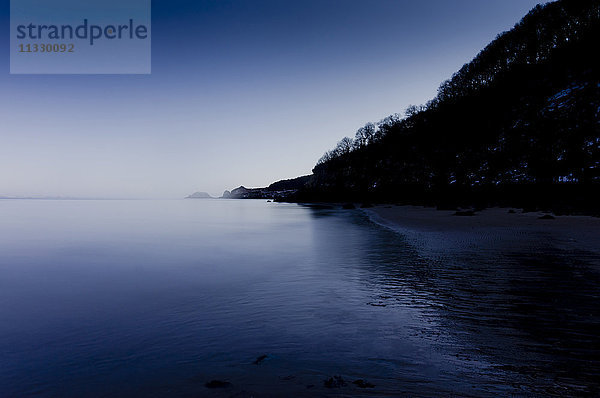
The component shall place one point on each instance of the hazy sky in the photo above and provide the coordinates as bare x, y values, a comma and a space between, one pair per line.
241, 93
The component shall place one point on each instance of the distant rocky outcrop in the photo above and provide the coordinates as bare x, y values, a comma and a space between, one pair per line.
249, 193
199, 195
277, 190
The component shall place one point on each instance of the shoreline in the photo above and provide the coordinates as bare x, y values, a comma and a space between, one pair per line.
488, 227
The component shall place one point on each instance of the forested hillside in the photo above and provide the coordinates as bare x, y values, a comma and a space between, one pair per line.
519, 123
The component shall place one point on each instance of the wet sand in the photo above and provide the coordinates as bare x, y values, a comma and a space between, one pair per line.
495, 226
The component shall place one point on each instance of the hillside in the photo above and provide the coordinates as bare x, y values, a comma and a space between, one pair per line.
517, 125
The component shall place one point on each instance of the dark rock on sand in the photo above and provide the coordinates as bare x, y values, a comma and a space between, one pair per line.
348, 206
217, 384
334, 382
465, 213
363, 384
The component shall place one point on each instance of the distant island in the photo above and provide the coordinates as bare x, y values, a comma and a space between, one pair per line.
199, 195
519, 126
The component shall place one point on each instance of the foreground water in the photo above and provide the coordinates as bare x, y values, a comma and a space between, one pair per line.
156, 298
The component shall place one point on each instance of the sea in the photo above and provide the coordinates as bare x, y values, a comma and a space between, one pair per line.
249, 298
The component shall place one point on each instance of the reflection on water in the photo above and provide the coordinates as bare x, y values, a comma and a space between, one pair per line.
520, 308
156, 298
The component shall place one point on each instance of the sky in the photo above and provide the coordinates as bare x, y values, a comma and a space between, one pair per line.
242, 92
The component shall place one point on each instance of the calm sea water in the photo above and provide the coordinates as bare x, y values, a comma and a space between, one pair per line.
156, 298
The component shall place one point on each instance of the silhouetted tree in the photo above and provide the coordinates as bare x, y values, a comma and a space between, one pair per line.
524, 111
365, 135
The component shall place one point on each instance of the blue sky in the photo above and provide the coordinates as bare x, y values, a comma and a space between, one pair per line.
241, 92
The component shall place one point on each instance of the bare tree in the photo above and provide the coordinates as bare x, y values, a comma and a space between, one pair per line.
345, 146
365, 135
412, 110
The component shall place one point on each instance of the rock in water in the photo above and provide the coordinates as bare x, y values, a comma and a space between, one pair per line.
199, 195
260, 359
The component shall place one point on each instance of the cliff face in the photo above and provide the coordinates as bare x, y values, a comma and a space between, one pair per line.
521, 119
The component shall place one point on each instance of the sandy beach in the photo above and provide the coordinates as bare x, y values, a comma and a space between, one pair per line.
494, 228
